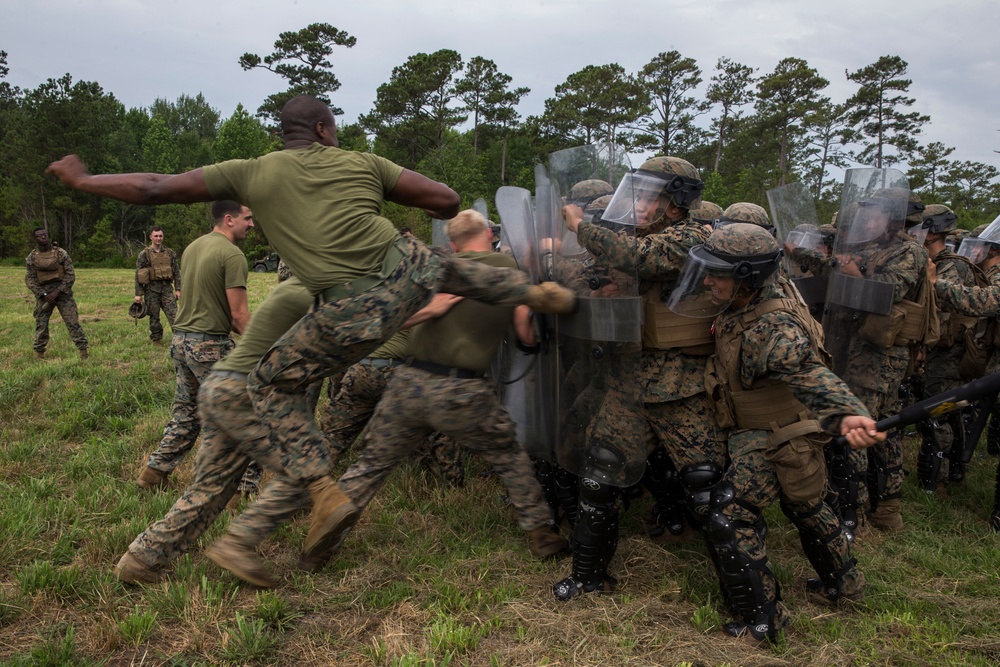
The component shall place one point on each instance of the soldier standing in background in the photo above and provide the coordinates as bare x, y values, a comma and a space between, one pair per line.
50, 278
158, 281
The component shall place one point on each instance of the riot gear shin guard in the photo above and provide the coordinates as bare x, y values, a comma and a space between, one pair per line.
845, 482
595, 539
663, 482
741, 577
829, 563
561, 489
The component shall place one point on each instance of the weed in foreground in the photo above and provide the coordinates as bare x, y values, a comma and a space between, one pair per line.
248, 641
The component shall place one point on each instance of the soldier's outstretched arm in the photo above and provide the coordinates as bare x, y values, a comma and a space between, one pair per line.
416, 190
149, 189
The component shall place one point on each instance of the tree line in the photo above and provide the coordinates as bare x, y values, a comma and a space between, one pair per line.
456, 120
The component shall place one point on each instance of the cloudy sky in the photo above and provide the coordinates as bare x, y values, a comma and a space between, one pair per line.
144, 49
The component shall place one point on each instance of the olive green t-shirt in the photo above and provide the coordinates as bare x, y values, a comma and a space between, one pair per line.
283, 307
210, 265
395, 347
467, 335
319, 207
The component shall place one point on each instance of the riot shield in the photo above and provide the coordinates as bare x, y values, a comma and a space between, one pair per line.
592, 358
806, 263
976, 249
860, 294
438, 238
520, 384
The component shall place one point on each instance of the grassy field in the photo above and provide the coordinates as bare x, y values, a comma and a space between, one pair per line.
430, 576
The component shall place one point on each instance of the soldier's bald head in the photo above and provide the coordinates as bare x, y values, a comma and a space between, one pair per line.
300, 115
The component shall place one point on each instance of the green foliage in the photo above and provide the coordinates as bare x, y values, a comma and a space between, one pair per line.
302, 59
138, 626
248, 641
242, 136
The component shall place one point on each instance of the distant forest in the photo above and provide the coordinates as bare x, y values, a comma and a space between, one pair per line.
455, 120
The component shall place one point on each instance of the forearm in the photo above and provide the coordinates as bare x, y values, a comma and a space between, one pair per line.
972, 301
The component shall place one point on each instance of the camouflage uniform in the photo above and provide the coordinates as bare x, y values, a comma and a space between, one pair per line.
347, 328
158, 293
417, 402
941, 373
284, 272
59, 276
674, 426
232, 438
361, 389
193, 353
874, 373
781, 402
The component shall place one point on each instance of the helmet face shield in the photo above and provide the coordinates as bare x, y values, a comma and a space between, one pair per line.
976, 250
711, 280
636, 201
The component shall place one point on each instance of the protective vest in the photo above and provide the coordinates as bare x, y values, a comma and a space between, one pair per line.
908, 322
160, 264
953, 325
795, 439
664, 329
47, 266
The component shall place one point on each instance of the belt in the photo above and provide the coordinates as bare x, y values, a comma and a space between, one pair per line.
231, 375
201, 336
380, 363
447, 371
393, 256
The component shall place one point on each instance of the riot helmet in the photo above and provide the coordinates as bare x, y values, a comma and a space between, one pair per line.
977, 246
914, 209
876, 217
585, 192
644, 193
937, 219
705, 212
748, 213
138, 310
737, 259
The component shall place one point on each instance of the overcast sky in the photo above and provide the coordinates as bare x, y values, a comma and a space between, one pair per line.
140, 50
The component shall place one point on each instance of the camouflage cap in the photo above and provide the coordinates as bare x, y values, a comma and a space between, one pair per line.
938, 219
705, 211
671, 165
588, 190
979, 230
747, 212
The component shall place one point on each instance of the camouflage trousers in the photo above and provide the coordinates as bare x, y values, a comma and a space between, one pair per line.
755, 484
193, 360
340, 333
941, 374
417, 402
874, 376
66, 305
160, 298
349, 411
232, 438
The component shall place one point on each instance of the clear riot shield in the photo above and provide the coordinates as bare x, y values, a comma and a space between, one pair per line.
519, 376
592, 360
438, 238
860, 294
976, 249
793, 214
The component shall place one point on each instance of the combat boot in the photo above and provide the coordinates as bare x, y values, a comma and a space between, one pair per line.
546, 542
333, 516
130, 570
231, 554
83, 353
152, 479
550, 298
887, 516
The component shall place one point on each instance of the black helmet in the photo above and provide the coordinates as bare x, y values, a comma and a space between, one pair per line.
137, 310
